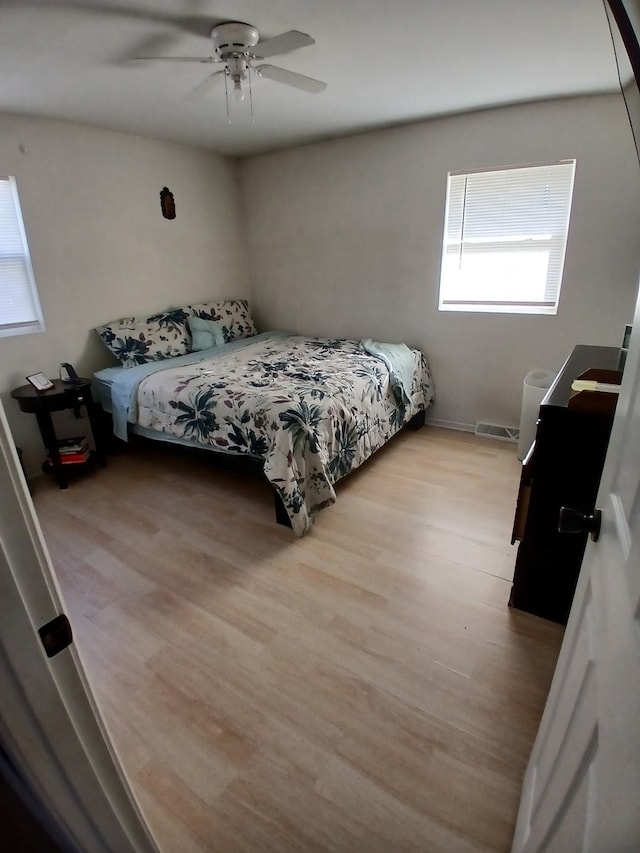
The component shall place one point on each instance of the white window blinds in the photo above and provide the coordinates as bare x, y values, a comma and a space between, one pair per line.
505, 237
20, 311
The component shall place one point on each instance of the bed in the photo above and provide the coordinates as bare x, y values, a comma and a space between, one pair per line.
310, 409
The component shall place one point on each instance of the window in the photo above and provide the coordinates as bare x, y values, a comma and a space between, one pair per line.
19, 304
505, 236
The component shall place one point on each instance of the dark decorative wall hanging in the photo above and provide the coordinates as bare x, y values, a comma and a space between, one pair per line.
167, 203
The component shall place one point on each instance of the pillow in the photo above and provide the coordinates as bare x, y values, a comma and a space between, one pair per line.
231, 315
134, 340
205, 333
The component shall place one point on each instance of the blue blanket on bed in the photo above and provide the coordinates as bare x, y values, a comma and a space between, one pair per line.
400, 364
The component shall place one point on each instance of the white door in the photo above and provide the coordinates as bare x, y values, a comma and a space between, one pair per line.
582, 787
49, 724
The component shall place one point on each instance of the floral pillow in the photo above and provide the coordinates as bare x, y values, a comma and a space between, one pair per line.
231, 315
134, 340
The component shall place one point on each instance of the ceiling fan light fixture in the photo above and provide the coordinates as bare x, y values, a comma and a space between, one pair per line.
237, 93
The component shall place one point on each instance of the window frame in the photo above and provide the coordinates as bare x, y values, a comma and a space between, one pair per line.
553, 244
28, 286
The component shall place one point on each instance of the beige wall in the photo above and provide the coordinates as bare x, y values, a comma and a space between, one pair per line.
344, 239
100, 247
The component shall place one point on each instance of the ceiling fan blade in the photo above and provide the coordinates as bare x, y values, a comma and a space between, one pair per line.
284, 43
290, 78
207, 60
197, 25
205, 87
159, 43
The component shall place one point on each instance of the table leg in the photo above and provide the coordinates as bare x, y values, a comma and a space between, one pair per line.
96, 426
51, 445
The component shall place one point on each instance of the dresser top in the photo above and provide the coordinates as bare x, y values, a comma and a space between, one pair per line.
583, 357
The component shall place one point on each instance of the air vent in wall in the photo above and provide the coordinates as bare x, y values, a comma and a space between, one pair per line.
499, 431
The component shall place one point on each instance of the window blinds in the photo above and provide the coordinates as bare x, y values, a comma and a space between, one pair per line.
505, 238
19, 305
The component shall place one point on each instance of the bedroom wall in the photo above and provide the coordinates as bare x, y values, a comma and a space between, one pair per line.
100, 247
345, 239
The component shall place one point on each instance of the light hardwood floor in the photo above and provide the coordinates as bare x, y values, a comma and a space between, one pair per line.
364, 688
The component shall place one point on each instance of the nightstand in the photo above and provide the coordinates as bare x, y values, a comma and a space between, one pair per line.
62, 396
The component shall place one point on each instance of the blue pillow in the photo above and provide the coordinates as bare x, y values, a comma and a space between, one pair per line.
232, 315
205, 333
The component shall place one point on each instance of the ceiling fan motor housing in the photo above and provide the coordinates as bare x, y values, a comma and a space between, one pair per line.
237, 68
233, 38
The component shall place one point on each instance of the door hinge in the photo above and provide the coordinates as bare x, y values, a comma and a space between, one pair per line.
56, 635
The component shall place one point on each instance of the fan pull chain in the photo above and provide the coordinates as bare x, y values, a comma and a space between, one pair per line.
226, 95
250, 95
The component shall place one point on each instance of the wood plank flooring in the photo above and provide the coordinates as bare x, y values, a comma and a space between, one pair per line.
364, 688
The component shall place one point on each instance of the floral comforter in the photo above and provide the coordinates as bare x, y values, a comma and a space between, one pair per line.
312, 409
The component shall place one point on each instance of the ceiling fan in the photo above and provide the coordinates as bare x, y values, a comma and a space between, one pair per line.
237, 46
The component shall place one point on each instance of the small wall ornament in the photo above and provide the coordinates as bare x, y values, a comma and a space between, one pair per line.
167, 203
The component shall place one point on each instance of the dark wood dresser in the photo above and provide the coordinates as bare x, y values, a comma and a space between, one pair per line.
562, 468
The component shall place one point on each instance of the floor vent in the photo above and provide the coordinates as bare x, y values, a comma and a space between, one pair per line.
499, 431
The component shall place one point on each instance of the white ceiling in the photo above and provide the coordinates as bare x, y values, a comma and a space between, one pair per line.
384, 63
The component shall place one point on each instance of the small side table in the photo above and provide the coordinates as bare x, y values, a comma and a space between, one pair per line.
62, 396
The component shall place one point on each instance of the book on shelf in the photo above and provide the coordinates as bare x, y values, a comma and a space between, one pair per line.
77, 444
72, 458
